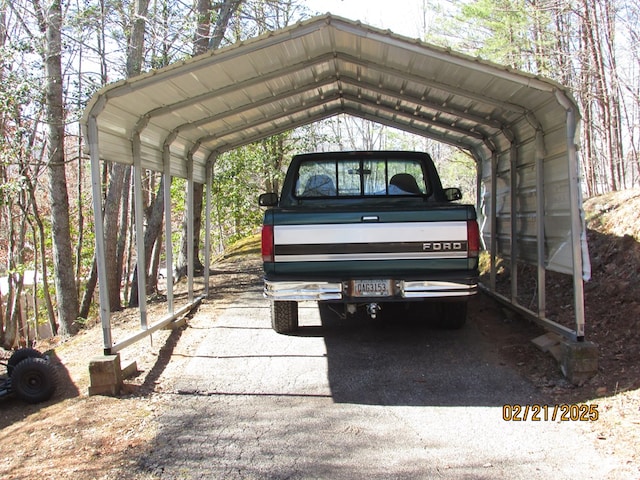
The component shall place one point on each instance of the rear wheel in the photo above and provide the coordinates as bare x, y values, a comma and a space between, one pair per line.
34, 380
284, 316
20, 355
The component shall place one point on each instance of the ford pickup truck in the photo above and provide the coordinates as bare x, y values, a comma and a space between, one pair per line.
362, 229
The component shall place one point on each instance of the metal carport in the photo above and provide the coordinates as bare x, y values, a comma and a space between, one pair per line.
521, 129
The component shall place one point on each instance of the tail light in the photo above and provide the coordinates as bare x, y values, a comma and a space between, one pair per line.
267, 243
473, 238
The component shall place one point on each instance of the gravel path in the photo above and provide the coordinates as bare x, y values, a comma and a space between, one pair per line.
365, 399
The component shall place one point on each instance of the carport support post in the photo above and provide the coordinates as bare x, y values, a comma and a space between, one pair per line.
578, 359
96, 187
540, 205
494, 219
207, 237
513, 155
190, 195
576, 224
166, 160
139, 213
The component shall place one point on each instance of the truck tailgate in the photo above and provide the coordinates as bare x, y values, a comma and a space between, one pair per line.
357, 244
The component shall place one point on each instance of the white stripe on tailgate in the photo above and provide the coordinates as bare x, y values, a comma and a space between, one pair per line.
370, 232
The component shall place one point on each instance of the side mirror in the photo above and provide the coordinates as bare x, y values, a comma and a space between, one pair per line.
268, 200
452, 194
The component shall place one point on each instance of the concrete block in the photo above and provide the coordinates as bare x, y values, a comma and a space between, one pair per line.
556, 352
579, 361
178, 323
130, 369
105, 375
550, 343
546, 341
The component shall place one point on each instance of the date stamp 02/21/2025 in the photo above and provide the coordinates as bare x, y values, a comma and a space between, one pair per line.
550, 413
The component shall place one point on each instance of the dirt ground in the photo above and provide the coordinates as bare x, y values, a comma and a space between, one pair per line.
81, 437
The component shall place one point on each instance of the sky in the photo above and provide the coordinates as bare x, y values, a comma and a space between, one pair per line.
403, 17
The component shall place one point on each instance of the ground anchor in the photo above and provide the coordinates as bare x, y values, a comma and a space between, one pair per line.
578, 361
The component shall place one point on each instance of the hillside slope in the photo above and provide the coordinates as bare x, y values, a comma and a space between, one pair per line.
612, 303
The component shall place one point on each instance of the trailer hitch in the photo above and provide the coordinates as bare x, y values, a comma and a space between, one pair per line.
373, 309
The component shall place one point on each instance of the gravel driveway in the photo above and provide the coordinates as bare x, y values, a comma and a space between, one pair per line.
362, 399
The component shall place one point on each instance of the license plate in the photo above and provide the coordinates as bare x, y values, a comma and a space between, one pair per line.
371, 288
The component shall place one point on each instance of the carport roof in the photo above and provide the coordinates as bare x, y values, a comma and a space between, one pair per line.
520, 128
183, 115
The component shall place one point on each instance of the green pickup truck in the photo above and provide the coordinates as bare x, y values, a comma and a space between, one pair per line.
365, 228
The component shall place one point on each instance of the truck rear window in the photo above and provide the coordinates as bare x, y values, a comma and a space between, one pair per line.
356, 178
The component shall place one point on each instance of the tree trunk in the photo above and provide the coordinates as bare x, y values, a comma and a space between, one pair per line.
66, 292
202, 43
154, 227
594, 45
135, 56
614, 93
41, 240
152, 278
183, 254
227, 9
116, 202
88, 292
111, 216
10, 327
121, 244
135, 47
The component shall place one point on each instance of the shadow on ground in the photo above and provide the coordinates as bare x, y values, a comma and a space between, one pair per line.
403, 358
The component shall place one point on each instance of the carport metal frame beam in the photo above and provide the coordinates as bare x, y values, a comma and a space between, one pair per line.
540, 316
105, 314
487, 138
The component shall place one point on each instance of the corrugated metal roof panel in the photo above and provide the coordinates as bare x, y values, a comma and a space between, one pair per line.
221, 100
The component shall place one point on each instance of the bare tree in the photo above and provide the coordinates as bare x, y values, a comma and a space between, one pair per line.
203, 41
116, 204
151, 236
579, 44
50, 21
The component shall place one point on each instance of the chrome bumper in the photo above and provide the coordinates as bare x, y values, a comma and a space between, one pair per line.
317, 291
436, 289
302, 291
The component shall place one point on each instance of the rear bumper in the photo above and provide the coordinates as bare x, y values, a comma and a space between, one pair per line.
302, 290
337, 291
437, 289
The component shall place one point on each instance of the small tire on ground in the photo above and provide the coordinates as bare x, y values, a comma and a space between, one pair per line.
20, 355
284, 316
453, 315
34, 380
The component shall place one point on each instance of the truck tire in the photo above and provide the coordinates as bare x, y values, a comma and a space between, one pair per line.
34, 380
20, 355
284, 316
454, 315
